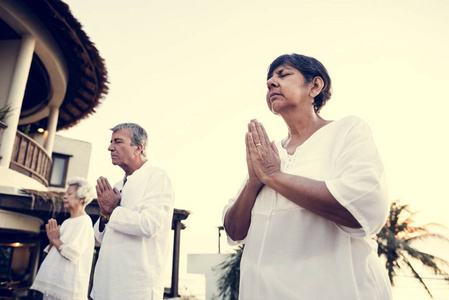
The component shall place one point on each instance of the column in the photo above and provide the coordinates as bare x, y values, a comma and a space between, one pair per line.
15, 97
52, 126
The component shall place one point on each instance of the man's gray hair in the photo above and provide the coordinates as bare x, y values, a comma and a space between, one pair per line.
139, 136
84, 189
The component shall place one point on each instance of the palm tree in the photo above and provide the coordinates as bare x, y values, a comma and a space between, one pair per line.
395, 244
228, 284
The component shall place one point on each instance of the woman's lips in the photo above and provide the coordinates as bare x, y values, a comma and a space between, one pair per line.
274, 95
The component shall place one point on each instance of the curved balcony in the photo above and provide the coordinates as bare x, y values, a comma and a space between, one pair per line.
30, 159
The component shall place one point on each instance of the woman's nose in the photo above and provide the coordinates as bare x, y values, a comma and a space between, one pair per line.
271, 83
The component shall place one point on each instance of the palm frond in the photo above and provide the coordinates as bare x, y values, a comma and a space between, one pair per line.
416, 275
4, 111
228, 283
395, 243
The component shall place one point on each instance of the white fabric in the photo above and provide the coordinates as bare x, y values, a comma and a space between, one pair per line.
66, 275
291, 253
135, 242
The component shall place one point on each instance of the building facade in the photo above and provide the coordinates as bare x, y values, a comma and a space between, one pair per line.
51, 78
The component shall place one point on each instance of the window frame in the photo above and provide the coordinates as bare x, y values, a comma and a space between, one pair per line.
66, 158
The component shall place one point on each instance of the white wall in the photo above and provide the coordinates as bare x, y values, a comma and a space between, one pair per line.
8, 57
206, 264
80, 152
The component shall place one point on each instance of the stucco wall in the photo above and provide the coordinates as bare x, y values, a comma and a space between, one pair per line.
80, 152
8, 57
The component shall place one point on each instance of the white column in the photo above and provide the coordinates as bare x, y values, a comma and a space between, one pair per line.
52, 125
15, 97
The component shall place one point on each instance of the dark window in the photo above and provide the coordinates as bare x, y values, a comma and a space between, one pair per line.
5, 260
59, 169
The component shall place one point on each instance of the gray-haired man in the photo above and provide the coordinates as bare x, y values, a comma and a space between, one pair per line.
134, 224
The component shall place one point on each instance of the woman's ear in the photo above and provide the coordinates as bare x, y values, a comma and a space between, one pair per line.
317, 86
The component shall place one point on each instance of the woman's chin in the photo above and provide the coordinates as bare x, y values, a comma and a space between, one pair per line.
275, 107
274, 111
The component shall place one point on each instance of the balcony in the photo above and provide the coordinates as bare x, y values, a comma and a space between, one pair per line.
30, 159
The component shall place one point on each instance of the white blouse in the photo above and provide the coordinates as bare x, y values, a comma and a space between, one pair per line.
66, 274
292, 253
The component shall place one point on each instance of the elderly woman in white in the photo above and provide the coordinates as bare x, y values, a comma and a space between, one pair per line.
313, 201
65, 271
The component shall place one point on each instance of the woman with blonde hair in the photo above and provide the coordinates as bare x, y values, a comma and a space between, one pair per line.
65, 271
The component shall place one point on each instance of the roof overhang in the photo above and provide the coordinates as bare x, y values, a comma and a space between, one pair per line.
66, 60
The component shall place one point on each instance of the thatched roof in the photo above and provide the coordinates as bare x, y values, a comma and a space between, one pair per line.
55, 199
87, 72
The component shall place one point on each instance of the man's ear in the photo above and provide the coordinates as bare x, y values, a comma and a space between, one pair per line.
139, 149
317, 86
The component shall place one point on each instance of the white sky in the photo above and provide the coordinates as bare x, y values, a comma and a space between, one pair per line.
193, 74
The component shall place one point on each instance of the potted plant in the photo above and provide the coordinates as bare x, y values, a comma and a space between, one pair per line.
4, 111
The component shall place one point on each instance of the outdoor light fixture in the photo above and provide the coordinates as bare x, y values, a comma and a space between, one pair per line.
40, 130
220, 228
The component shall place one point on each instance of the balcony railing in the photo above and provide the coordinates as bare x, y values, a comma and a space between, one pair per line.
30, 159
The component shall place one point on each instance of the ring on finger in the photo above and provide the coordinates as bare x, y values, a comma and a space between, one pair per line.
258, 144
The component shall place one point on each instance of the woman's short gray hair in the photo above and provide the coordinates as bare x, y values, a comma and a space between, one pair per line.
84, 189
139, 136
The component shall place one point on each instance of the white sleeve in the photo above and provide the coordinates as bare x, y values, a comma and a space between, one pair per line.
359, 182
73, 249
225, 210
99, 234
153, 211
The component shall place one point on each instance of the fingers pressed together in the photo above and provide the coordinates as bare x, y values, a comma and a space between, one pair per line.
263, 154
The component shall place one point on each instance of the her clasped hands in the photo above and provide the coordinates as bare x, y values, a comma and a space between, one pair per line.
52, 229
53, 232
262, 156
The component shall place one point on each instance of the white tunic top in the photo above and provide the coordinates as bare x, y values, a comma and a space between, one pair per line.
65, 274
135, 241
292, 253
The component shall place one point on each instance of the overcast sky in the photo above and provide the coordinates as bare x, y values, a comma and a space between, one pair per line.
193, 73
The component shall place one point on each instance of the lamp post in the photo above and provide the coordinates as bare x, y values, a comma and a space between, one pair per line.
220, 228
